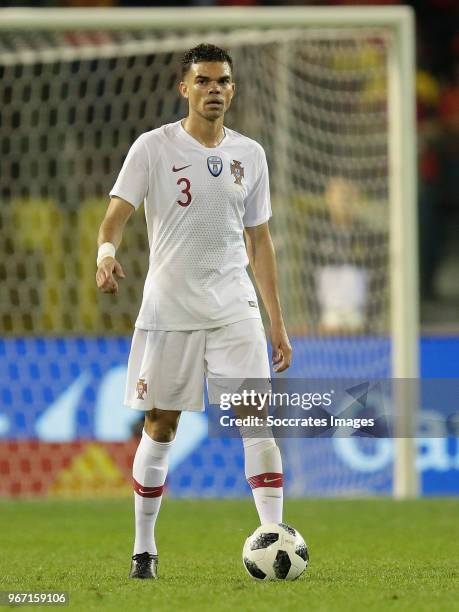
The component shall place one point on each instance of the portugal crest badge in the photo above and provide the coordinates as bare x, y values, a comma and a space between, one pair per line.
215, 165
141, 388
237, 171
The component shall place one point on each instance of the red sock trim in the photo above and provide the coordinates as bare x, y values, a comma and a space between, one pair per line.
268, 479
147, 491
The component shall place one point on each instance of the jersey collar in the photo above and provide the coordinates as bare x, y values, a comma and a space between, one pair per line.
190, 138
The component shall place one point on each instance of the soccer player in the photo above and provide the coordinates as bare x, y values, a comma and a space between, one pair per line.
204, 187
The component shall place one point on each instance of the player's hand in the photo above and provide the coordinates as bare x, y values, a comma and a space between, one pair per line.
282, 350
105, 275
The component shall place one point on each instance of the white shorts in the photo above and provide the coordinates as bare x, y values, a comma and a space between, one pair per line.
166, 369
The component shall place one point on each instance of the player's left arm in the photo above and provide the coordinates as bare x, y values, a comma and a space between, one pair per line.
262, 257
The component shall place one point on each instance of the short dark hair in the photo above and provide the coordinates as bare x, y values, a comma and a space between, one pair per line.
204, 53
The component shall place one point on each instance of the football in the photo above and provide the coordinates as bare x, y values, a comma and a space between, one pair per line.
275, 551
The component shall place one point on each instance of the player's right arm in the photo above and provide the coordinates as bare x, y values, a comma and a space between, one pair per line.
111, 230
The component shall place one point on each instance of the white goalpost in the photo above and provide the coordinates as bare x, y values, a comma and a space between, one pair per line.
329, 91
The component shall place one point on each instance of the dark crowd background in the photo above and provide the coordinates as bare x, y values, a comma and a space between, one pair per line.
438, 138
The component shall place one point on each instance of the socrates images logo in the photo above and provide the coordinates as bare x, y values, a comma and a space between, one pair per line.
141, 388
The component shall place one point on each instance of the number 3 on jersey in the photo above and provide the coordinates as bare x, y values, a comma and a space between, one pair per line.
185, 191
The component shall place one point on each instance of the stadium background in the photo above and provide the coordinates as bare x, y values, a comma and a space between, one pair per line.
63, 352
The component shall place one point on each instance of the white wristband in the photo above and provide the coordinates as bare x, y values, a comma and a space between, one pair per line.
107, 249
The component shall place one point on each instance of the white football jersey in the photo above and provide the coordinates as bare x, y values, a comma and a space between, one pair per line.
197, 202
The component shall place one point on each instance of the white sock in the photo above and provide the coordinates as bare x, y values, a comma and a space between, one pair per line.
149, 472
263, 470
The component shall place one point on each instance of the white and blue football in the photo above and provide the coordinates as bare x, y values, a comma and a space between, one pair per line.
275, 551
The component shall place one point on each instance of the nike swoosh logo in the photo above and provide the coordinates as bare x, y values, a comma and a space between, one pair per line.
268, 480
174, 169
147, 491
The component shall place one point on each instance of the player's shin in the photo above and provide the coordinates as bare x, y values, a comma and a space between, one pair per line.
263, 470
149, 474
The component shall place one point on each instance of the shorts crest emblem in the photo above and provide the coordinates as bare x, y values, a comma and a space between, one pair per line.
141, 388
215, 165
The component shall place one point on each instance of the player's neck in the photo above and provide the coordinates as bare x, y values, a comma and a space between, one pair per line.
208, 133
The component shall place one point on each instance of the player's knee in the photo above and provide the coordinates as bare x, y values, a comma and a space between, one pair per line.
161, 426
164, 434
161, 432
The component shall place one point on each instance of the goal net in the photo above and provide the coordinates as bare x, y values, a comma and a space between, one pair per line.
320, 97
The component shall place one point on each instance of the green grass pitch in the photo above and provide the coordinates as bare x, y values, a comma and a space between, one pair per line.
376, 554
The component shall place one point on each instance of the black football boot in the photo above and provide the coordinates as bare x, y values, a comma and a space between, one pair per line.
144, 565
